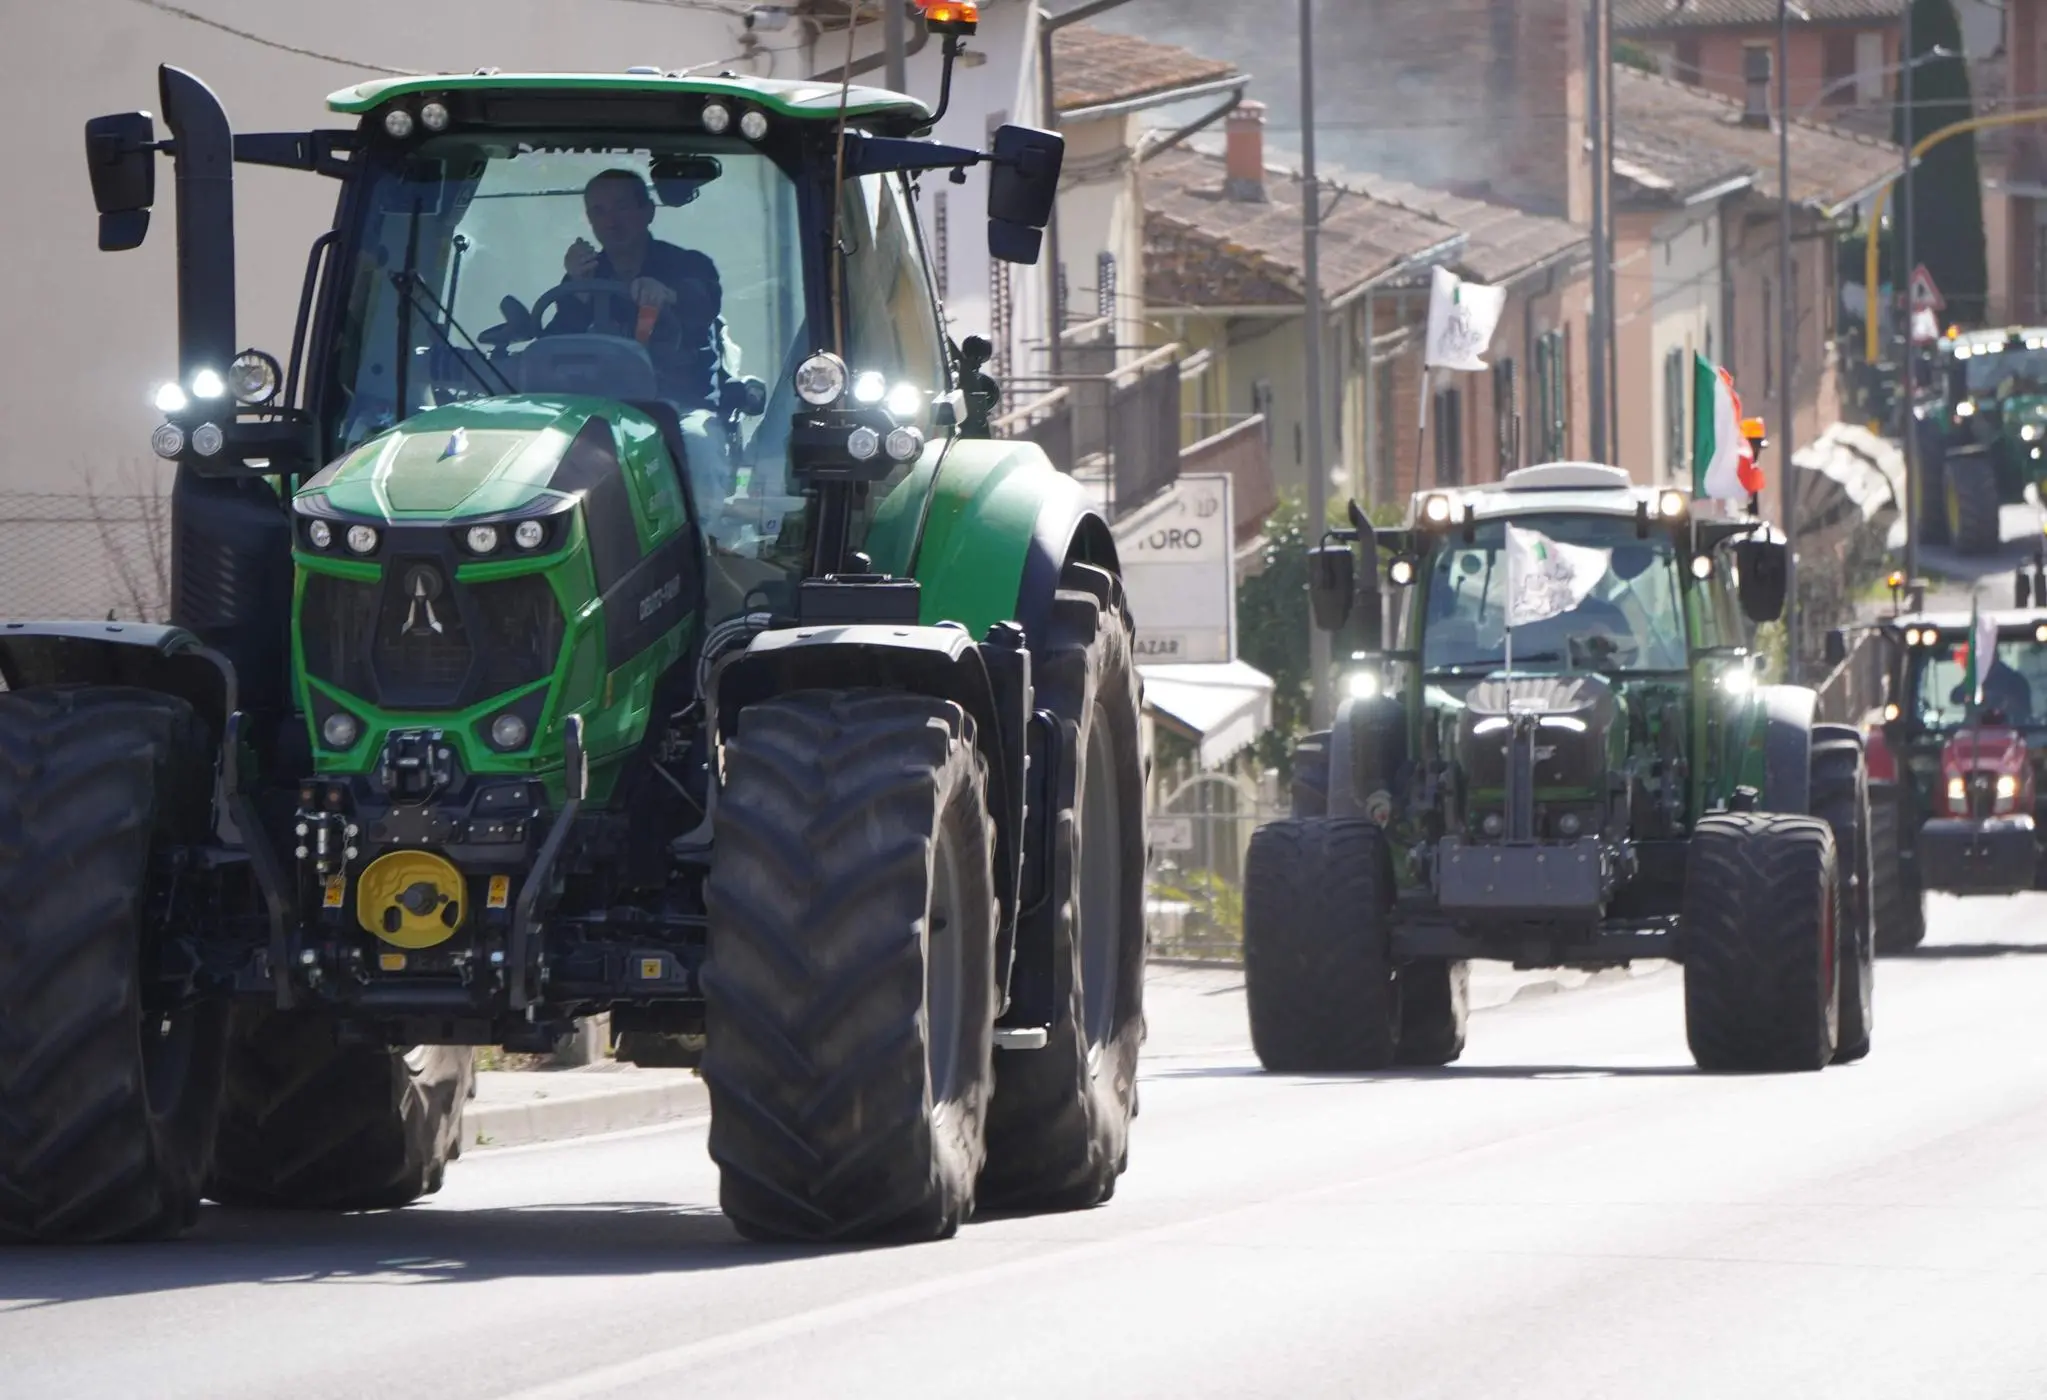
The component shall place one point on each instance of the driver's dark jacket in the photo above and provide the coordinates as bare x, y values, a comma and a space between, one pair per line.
2004, 690
684, 344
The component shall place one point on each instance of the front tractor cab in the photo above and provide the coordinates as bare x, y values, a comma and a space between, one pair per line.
1954, 777
613, 603
1602, 780
1984, 442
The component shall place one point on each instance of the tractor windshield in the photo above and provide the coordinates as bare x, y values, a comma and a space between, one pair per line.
2014, 686
635, 268
1631, 619
2003, 374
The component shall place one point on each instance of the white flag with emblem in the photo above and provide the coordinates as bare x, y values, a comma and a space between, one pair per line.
1545, 578
1462, 318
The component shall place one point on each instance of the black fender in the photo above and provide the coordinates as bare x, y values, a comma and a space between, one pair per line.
989, 680
1068, 530
1788, 715
150, 656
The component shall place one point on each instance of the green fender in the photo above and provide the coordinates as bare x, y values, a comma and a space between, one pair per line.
1000, 525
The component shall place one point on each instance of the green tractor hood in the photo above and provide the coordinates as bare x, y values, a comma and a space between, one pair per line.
482, 458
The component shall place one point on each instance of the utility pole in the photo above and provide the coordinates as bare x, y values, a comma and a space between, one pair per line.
1787, 340
893, 23
1613, 299
1311, 277
1601, 320
1901, 276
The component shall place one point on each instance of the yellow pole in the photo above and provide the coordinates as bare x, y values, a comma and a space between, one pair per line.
1876, 216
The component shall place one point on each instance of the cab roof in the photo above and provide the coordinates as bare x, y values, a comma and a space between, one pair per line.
784, 97
1565, 488
1958, 621
1985, 342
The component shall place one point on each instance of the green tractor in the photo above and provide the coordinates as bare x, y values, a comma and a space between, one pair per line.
1983, 437
1605, 781
529, 661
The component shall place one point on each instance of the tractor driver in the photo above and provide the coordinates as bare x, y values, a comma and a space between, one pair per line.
2005, 693
678, 286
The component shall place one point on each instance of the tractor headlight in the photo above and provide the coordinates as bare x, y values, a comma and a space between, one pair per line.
508, 731
340, 730
253, 377
320, 533
167, 441
821, 379
1966, 409
170, 398
1568, 824
398, 123
862, 443
1891, 712
2027, 432
1702, 566
904, 444
869, 387
717, 118
362, 539
1436, 509
1492, 825
754, 125
1401, 571
1670, 504
1911, 636
482, 539
2007, 787
207, 384
1361, 685
434, 116
1957, 791
208, 439
904, 401
529, 535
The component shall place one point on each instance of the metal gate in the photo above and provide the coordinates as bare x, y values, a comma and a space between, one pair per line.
1198, 833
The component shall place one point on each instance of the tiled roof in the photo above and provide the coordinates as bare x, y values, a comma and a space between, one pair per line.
1688, 139
1651, 16
1503, 242
1091, 66
1203, 248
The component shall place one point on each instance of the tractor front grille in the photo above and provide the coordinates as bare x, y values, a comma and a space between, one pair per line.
421, 652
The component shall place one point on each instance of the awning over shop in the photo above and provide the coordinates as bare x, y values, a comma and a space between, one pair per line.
1221, 706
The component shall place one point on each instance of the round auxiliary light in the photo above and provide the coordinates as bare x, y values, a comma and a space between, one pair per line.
903, 444
482, 539
207, 384
869, 387
508, 732
1436, 508
821, 379
362, 539
253, 377
2007, 786
1401, 572
1891, 712
717, 118
754, 125
1492, 825
2040, 633
905, 401
167, 441
2027, 432
862, 443
1911, 636
398, 123
320, 533
340, 730
1361, 685
207, 439
1568, 824
434, 117
170, 398
1702, 566
529, 534
1671, 504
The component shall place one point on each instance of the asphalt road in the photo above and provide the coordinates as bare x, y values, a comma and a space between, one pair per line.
1569, 1212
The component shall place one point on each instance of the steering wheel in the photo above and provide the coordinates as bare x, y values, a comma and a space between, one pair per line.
596, 287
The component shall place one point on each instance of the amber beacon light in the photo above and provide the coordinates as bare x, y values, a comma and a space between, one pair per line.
950, 16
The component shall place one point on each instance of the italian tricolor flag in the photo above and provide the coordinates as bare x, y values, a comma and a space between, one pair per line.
1723, 465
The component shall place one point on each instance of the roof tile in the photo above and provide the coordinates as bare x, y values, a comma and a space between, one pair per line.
1092, 66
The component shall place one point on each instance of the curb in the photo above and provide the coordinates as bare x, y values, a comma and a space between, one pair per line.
487, 1126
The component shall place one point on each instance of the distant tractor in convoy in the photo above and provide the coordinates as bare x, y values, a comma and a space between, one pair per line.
1618, 787
1955, 783
566, 668
1983, 435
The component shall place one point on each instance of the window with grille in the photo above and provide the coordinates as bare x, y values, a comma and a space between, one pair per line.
1552, 395
1506, 415
1674, 422
1448, 420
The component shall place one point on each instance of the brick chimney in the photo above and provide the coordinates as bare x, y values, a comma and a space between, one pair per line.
1244, 160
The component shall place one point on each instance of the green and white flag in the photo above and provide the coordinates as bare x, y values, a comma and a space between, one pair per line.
1462, 318
1545, 578
1981, 653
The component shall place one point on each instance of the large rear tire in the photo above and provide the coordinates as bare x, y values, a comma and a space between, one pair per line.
1059, 1125
310, 1123
1840, 797
1973, 524
1898, 906
849, 990
107, 1103
1762, 985
1318, 971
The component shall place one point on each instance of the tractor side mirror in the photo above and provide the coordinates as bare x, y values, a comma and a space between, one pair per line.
1332, 584
1763, 565
120, 156
1372, 621
1837, 646
1023, 187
